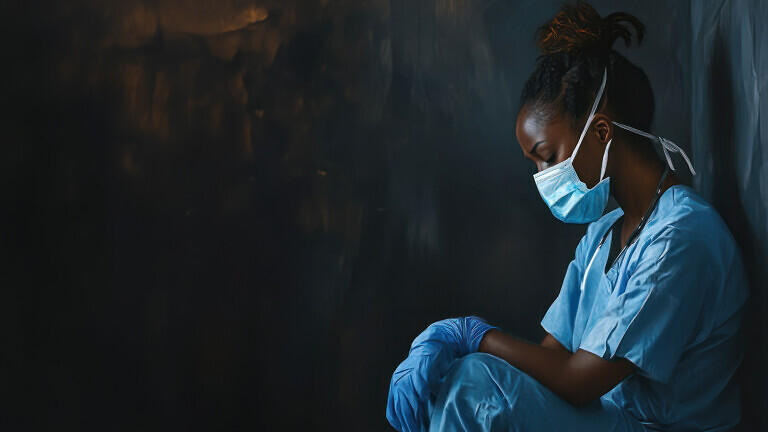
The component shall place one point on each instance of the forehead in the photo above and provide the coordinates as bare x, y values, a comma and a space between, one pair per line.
531, 123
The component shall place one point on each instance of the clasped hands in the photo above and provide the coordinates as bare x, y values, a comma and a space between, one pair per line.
421, 374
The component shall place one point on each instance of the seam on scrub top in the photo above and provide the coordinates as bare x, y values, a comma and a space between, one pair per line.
647, 296
642, 306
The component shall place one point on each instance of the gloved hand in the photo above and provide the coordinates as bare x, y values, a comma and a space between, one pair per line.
419, 376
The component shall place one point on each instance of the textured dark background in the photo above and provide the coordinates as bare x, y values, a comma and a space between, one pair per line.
236, 215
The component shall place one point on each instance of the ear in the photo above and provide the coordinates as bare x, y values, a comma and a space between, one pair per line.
603, 128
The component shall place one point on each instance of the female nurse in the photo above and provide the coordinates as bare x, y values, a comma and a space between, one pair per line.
645, 333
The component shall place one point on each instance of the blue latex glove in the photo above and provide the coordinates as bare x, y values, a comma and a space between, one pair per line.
418, 378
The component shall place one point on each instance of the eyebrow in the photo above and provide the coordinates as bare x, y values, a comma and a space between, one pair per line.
533, 149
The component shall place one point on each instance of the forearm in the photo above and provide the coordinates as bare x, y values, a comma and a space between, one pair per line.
548, 366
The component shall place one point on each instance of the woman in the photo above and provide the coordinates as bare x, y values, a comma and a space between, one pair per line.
645, 333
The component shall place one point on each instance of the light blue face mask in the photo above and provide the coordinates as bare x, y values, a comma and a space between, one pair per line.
569, 198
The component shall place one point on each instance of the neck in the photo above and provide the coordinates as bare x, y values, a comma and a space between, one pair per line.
634, 185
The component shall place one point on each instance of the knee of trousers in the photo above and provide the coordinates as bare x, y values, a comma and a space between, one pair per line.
487, 377
483, 372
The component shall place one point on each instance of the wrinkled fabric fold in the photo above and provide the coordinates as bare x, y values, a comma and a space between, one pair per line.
483, 393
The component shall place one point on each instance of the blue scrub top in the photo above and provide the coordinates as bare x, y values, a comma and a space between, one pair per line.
672, 305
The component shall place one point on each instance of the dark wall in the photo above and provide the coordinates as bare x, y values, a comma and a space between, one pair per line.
730, 136
237, 215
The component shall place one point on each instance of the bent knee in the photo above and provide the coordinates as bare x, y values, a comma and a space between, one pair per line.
488, 373
480, 361
482, 368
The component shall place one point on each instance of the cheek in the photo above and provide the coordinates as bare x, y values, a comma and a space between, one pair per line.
567, 147
587, 164
558, 154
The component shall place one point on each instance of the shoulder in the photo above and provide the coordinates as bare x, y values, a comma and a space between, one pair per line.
686, 236
683, 209
684, 217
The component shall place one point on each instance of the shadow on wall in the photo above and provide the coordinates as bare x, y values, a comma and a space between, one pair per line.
726, 196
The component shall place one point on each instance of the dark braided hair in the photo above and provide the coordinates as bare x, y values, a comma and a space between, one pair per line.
576, 46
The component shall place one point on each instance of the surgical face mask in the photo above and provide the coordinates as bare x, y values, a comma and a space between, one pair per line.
569, 198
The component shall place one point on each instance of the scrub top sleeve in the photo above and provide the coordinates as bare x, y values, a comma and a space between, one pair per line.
559, 318
657, 315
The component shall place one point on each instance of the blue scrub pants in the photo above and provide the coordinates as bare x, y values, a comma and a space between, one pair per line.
482, 392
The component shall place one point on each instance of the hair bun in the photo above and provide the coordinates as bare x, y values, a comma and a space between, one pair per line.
578, 29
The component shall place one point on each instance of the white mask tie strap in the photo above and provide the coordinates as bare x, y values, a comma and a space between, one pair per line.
605, 159
669, 145
666, 146
666, 155
591, 113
